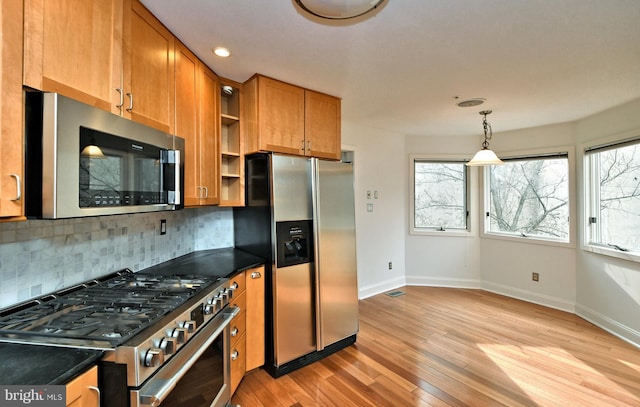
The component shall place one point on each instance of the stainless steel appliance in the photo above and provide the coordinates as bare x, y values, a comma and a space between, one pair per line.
157, 332
299, 215
84, 161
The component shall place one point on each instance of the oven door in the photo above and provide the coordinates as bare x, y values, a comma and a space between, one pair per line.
198, 375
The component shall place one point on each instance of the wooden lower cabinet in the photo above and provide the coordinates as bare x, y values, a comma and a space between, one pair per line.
238, 327
255, 331
83, 390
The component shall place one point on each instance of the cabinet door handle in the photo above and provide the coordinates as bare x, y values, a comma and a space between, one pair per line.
130, 108
18, 187
234, 355
119, 106
308, 145
255, 275
234, 331
97, 390
206, 192
302, 148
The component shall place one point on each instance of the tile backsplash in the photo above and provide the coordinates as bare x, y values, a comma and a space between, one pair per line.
41, 256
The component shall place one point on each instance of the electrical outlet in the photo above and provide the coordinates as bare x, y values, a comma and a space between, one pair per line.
390, 265
163, 226
535, 277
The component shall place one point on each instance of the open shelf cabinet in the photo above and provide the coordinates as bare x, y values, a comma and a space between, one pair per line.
232, 157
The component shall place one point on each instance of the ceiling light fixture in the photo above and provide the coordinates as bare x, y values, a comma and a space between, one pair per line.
339, 9
485, 156
471, 102
222, 52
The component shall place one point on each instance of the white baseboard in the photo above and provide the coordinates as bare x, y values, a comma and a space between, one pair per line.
371, 290
536, 298
443, 282
613, 327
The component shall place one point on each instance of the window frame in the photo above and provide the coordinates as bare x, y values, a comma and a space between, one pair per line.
470, 196
533, 154
589, 194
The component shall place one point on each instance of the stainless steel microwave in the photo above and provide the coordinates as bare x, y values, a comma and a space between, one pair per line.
83, 161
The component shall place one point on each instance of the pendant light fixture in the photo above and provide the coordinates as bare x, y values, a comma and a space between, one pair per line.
485, 156
338, 9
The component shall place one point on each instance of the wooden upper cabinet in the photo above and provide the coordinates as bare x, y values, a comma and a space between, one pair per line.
209, 131
113, 54
322, 125
280, 116
196, 94
285, 118
74, 47
11, 111
186, 71
148, 74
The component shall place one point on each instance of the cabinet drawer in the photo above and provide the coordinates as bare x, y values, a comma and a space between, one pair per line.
237, 363
238, 327
239, 281
239, 300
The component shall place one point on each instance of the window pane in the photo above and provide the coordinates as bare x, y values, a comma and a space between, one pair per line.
440, 195
531, 198
619, 200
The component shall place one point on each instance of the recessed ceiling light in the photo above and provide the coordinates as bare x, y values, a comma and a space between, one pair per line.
222, 52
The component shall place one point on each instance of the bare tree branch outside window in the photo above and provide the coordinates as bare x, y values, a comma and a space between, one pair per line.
440, 195
530, 198
618, 208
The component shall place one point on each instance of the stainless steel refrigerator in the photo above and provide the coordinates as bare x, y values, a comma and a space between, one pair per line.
300, 217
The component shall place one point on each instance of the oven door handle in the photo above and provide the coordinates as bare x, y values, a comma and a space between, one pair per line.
163, 382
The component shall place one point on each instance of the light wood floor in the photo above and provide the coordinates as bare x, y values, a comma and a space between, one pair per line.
457, 347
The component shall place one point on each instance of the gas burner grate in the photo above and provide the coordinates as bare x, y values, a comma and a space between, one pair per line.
115, 309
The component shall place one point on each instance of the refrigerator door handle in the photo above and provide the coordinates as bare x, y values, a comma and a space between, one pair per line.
316, 263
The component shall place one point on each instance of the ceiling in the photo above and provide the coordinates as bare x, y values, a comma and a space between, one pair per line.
535, 62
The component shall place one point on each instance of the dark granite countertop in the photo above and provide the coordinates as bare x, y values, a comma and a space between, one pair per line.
216, 262
38, 365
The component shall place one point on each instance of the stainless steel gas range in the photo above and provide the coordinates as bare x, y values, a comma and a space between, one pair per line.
155, 331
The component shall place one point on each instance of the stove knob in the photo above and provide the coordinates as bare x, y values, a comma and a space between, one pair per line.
231, 289
153, 357
190, 326
168, 345
180, 334
209, 308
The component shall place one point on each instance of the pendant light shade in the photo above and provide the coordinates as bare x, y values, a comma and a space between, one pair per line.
338, 9
485, 156
92, 151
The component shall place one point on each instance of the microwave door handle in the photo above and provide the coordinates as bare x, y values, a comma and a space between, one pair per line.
176, 175
171, 159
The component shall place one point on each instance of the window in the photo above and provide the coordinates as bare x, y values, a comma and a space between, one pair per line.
529, 197
439, 195
614, 196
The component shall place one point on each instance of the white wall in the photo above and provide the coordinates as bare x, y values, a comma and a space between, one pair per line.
380, 234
